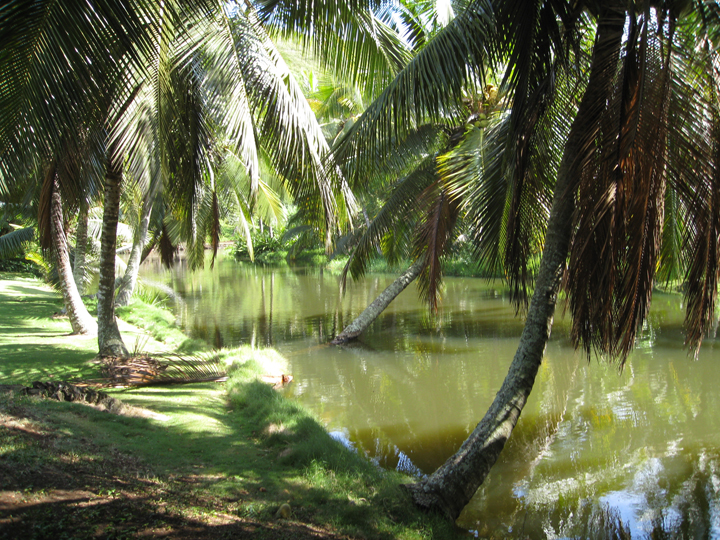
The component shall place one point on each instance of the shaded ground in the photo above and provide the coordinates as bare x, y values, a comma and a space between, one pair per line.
68, 488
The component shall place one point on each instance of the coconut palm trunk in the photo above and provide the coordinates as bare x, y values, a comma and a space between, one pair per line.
81, 239
129, 280
365, 319
80, 319
449, 489
110, 341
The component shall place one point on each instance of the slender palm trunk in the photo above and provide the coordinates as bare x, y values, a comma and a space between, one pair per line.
110, 341
81, 238
80, 319
129, 280
450, 488
365, 319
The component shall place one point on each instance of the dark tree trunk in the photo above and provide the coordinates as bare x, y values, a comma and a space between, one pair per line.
450, 488
80, 319
365, 319
110, 341
129, 280
81, 240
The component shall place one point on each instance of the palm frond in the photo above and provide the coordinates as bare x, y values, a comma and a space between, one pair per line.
397, 212
693, 158
428, 89
289, 131
168, 247
435, 233
159, 369
230, 101
355, 38
54, 79
616, 243
474, 170
14, 242
702, 238
670, 261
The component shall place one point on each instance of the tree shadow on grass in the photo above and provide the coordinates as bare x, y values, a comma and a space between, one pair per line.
245, 462
30, 307
24, 363
131, 517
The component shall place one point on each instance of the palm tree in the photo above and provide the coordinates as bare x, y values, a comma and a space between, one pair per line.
643, 122
91, 79
81, 244
417, 219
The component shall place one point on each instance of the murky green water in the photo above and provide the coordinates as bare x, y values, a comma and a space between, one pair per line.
593, 447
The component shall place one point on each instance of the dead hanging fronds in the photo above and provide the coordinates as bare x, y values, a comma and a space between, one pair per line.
435, 233
159, 369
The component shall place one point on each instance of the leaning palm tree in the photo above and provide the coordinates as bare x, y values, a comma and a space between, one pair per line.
53, 238
409, 173
643, 121
417, 221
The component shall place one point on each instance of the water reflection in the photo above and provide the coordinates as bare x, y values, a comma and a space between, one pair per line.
597, 453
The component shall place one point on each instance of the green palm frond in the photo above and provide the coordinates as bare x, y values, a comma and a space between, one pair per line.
290, 133
190, 140
338, 99
428, 90
670, 261
354, 38
15, 242
397, 212
474, 170
60, 82
230, 103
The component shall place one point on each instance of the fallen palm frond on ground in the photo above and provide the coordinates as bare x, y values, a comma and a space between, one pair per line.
158, 369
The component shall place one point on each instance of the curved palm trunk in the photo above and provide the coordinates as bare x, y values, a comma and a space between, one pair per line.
450, 488
365, 319
81, 238
129, 280
110, 341
80, 319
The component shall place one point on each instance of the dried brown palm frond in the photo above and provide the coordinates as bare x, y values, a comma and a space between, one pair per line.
651, 179
434, 234
168, 249
618, 217
159, 369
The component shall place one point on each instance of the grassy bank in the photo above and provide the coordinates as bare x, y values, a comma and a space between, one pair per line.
208, 460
